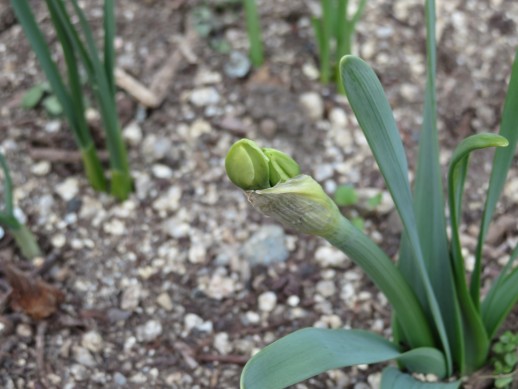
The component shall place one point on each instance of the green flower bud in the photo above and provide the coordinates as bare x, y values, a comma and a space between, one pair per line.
299, 203
247, 166
282, 166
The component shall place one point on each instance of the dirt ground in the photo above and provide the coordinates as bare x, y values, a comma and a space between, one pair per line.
177, 286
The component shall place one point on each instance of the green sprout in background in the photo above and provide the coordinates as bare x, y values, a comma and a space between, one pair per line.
335, 29
253, 28
441, 325
24, 238
42, 93
101, 80
505, 359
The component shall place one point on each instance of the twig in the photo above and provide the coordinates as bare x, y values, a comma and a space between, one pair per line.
153, 96
234, 359
140, 92
57, 155
40, 352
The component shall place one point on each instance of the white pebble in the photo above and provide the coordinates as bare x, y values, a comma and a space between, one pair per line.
313, 105
92, 341
267, 301
41, 168
68, 189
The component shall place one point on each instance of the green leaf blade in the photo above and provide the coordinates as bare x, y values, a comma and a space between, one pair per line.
373, 112
501, 164
475, 335
429, 208
311, 351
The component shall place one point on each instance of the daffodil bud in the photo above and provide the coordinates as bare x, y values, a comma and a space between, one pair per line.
247, 166
282, 166
299, 203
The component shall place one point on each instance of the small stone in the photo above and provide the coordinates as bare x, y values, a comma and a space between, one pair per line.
170, 201
41, 168
326, 288
176, 229
323, 172
222, 344
138, 378
131, 297
54, 379
79, 372
310, 71
92, 341
58, 240
24, 330
165, 301
252, 317
199, 127
313, 105
202, 97
193, 321
132, 133
293, 300
205, 76
162, 171
267, 301
328, 256
197, 254
220, 287
83, 356
68, 189
114, 227
266, 246
53, 126
156, 148
338, 117
119, 379
511, 190
238, 65
149, 331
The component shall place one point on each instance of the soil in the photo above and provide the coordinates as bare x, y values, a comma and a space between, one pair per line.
159, 291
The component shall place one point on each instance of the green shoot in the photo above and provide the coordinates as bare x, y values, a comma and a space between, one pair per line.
69, 94
23, 237
253, 28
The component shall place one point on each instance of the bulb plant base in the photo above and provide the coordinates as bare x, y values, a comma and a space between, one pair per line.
79, 49
26, 241
23, 237
441, 326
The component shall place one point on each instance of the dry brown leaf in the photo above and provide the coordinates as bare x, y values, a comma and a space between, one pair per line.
34, 297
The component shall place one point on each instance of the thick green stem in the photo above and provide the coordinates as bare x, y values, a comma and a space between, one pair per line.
387, 277
26, 241
326, 29
121, 184
93, 168
254, 33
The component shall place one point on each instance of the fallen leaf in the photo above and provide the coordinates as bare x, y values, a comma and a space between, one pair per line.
32, 296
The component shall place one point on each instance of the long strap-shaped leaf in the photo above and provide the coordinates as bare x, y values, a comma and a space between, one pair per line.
311, 351
393, 378
39, 45
387, 277
475, 336
121, 180
502, 297
501, 164
429, 210
372, 110
109, 41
